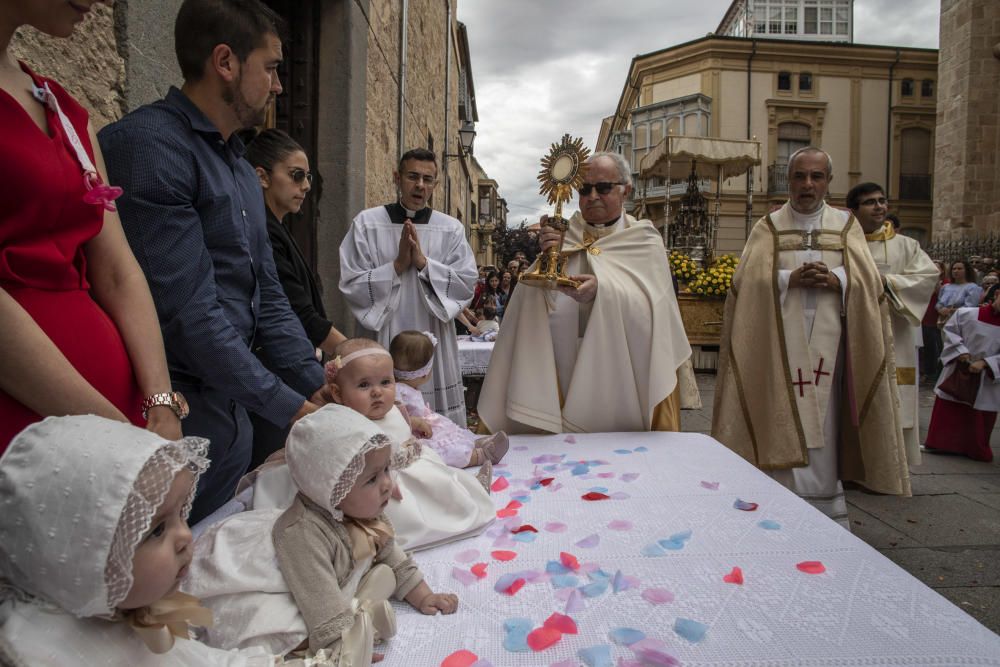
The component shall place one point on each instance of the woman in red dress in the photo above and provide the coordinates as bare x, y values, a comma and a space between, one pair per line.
78, 330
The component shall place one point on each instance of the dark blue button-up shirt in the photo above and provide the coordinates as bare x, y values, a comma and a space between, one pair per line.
193, 212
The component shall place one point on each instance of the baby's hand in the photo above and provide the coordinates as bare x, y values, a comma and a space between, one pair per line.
420, 427
446, 603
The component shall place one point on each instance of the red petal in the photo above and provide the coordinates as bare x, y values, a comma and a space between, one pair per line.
461, 658
569, 560
526, 528
479, 569
594, 495
500, 484
562, 623
504, 555
734, 577
515, 586
506, 513
545, 481
811, 567
540, 639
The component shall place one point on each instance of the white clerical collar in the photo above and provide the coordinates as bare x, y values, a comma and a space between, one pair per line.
605, 228
807, 220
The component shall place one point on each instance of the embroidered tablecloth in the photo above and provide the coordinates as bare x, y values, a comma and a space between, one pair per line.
660, 552
473, 356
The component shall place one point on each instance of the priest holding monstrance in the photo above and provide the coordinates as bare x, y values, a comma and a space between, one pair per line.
592, 342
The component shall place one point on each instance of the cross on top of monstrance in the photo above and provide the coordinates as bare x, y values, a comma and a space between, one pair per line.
562, 172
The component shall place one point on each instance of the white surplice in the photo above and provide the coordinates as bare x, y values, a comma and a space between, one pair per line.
812, 327
967, 333
910, 277
427, 300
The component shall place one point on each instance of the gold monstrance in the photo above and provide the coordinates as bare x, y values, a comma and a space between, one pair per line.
562, 172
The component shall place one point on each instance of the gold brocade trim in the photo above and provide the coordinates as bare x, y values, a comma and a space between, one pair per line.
906, 376
887, 232
800, 240
783, 347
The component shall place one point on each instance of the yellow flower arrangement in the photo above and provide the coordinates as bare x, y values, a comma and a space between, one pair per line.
717, 280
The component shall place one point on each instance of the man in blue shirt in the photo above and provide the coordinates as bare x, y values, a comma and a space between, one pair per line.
193, 213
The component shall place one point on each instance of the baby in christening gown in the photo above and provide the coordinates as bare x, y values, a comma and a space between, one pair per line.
93, 543
412, 357
436, 503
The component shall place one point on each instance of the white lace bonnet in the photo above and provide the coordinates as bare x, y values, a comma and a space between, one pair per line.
77, 496
326, 452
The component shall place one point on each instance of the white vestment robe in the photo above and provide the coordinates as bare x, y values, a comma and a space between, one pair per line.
910, 277
560, 366
812, 327
967, 333
426, 300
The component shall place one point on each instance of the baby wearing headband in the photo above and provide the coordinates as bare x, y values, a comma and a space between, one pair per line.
435, 503
412, 357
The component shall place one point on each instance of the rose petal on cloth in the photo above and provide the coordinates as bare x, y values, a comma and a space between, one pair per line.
657, 595
580, 469
500, 484
589, 542
606, 475
555, 567
463, 576
811, 567
693, 631
516, 634
504, 513
594, 588
564, 581
594, 495
629, 476
682, 536
574, 602
713, 486
653, 550
672, 545
525, 537
596, 573
643, 448
504, 541
562, 623
744, 505
620, 524
653, 652
569, 560
460, 658
545, 481
522, 497
626, 636
479, 569
768, 524
555, 527
599, 489
467, 556
620, 582
540, 639
735, 576
503, 555
596, 656
570, 439
623, 451
524, 528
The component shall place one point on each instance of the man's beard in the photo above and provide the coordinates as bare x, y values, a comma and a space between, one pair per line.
245, 113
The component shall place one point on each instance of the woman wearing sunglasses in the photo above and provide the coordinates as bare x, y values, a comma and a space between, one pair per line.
283, 169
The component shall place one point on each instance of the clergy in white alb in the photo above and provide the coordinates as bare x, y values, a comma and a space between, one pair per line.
806, 382
405, 266
601, 357
909, 277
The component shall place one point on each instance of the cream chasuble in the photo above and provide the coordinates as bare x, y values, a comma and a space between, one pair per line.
782, 400
910, 277
427, 300
559, 366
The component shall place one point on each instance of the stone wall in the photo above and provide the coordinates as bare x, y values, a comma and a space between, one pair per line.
966, 168
145, 35
87, 64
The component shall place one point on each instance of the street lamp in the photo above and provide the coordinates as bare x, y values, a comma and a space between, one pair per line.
466, 136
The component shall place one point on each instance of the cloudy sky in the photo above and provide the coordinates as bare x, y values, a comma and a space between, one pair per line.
545, 67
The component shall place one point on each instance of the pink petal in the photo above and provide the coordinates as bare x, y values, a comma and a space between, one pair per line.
620, 524
467, 556
714, 486
500, 484
463, 576
811, 567
657, 595
630, 476
570, 439
555, 527
589, 542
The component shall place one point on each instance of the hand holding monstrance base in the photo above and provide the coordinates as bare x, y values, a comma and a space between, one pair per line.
562, 172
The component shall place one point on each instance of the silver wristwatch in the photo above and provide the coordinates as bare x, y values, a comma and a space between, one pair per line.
174, 400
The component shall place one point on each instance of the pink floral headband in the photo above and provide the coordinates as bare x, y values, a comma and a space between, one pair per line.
336, 364
423, 370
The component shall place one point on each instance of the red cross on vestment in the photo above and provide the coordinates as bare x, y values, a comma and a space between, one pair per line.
800, 383
819, 371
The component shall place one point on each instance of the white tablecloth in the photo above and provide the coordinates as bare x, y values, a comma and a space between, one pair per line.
473, 357
864, 610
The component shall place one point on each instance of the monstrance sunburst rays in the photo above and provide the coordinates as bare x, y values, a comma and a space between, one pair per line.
555, 185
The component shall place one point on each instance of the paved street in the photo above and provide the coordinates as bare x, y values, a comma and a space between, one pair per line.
947, 535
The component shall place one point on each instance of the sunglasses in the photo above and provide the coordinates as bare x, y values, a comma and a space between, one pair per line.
299, 175
602, 188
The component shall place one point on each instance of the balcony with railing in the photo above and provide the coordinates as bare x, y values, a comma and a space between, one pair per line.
777, 179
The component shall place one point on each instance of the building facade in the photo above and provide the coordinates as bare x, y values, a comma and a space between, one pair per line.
871, 107
364, 81
812, 20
